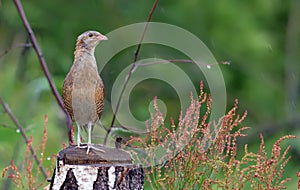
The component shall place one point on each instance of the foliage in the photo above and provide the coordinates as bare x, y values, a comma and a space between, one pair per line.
209, 160
207, 157
28, 176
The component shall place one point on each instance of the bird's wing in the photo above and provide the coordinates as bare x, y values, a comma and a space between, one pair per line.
67, 94
99, 97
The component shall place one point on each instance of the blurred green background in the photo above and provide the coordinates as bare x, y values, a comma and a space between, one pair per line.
260, 39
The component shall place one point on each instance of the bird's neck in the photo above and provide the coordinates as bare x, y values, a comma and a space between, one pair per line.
80, 50
86, 56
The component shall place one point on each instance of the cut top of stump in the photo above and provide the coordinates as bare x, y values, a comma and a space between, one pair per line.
102, 168
75, 155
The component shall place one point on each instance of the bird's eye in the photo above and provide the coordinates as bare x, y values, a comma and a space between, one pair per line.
90, 35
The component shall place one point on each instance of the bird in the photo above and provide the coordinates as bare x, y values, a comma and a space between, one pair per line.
83, 88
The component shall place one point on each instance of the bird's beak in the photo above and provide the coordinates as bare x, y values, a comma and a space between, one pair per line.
102, 37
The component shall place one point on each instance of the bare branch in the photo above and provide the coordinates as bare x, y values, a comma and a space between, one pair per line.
22, 131
136, 54
44, 66
6, 126
291, 60
177, 61
13, 47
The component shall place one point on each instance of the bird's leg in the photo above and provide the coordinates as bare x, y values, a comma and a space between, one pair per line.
89, 137
78, 136
89, 144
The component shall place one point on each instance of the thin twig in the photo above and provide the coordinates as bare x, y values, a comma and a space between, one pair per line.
5, 125
22, 131
26, 45
136, 54
44, 66
292, 59
178, 61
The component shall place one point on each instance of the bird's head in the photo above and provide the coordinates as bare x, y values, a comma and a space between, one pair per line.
89, 40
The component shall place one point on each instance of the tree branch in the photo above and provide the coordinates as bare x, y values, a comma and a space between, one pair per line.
291, 62
26, 45
23, 133
44, 66
136, 54
178, 61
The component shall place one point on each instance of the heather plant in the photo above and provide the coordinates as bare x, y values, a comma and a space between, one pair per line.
27, 176
206, 153
198, 154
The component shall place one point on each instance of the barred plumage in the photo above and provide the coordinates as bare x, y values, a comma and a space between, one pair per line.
83, 89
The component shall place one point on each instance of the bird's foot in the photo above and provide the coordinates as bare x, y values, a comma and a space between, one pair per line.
81, 146
90, 146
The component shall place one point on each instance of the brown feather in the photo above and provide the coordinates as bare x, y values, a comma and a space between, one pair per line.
85, 70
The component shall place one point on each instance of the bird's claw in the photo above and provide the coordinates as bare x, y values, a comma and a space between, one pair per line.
90, 146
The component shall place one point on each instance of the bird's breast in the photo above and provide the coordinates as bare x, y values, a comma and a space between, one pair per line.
84, 94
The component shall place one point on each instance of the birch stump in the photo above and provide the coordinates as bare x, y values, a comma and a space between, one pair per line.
111, 169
